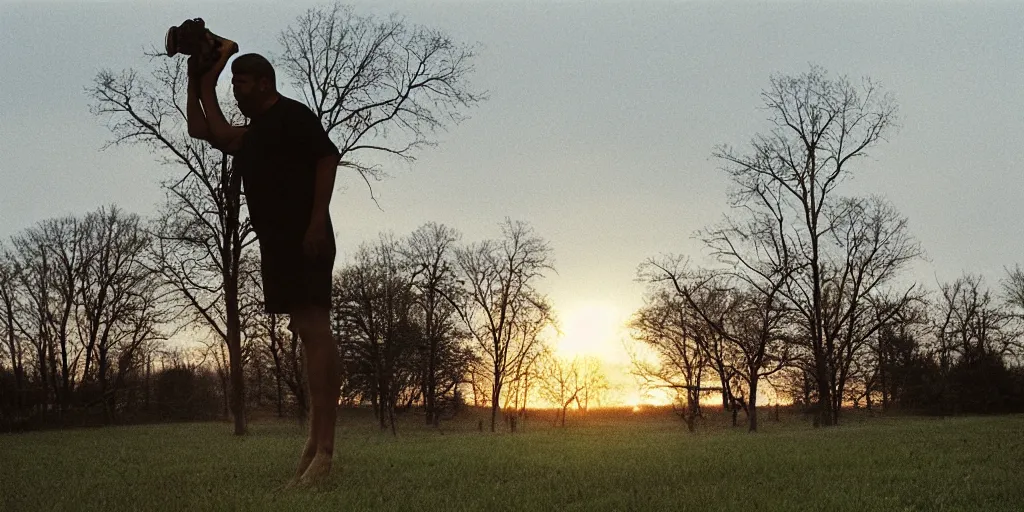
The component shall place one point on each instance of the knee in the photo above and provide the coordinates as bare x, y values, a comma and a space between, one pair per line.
311, 322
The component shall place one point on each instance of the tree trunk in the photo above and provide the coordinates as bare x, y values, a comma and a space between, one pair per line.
883, 381
16, 362
231, 254
430, 389
383, 402
236, 376
54, 382
752, 406
149, 362
391, 413
495, 397
102, 370
824, 413
258, 365
226, 392
277, 381
692, 399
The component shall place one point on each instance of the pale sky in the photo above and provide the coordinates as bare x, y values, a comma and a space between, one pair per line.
599, 127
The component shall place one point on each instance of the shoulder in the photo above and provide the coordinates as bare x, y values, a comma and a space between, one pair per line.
295, 107
299, 114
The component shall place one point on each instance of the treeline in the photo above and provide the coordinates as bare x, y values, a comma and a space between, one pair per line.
955, 350
806, 290
96, 330
81, 316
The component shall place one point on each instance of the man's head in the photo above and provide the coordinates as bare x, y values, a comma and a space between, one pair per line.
253, 82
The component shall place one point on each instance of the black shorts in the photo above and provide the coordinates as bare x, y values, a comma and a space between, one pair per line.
291, 280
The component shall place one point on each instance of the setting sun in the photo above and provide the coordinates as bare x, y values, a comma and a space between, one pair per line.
591, 329
597, 329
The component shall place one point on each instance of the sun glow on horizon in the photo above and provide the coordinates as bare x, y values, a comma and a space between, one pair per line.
597, 329
590, 328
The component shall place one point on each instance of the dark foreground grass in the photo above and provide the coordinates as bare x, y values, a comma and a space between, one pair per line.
879, 464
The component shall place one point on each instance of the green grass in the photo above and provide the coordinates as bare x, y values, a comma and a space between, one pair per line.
625, 464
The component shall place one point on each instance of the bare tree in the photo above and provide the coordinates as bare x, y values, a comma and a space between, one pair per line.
202, 231
666, 329
1013, 288
430, 252
892, 349
32, 260
379, 86
121, 309
502, 309
378, 335
560, 381
971, 323
820, 127
53, 255
593, 383
9, 306
524, 366
977, 336
523, 378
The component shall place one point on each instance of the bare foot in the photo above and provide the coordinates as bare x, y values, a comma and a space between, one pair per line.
318, 470
308, 453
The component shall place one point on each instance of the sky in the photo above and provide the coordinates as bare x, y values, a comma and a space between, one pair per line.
598, 129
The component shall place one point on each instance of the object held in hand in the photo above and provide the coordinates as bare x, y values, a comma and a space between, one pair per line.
194, 39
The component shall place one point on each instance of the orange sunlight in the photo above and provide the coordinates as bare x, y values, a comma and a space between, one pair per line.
597, 328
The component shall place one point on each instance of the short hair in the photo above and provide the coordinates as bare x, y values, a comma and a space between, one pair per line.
255, 65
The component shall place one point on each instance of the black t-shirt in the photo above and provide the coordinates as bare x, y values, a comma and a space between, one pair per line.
277, 160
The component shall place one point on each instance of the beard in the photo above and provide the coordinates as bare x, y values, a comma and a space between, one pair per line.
244, 106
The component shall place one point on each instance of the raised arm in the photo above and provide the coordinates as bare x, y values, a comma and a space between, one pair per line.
222, 135
197, 124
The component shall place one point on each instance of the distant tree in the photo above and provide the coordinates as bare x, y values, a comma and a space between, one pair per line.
501, 308
908, 377
1013, 292
560, 381
524, 380
374, 307
1013, 287
972, 322
885, 362
79, 307
121, 308
844, 251
13, 344
593, 382
745, 310
430, 254
524, 371
666, 330
52, 256
975, 336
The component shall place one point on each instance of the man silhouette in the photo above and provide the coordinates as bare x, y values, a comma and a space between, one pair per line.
288, 165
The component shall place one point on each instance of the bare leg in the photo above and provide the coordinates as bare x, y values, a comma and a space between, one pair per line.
324, 389
309, 450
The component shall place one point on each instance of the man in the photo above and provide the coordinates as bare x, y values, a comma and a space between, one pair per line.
288, 165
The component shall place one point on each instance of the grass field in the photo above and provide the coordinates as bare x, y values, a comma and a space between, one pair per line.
625, 463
